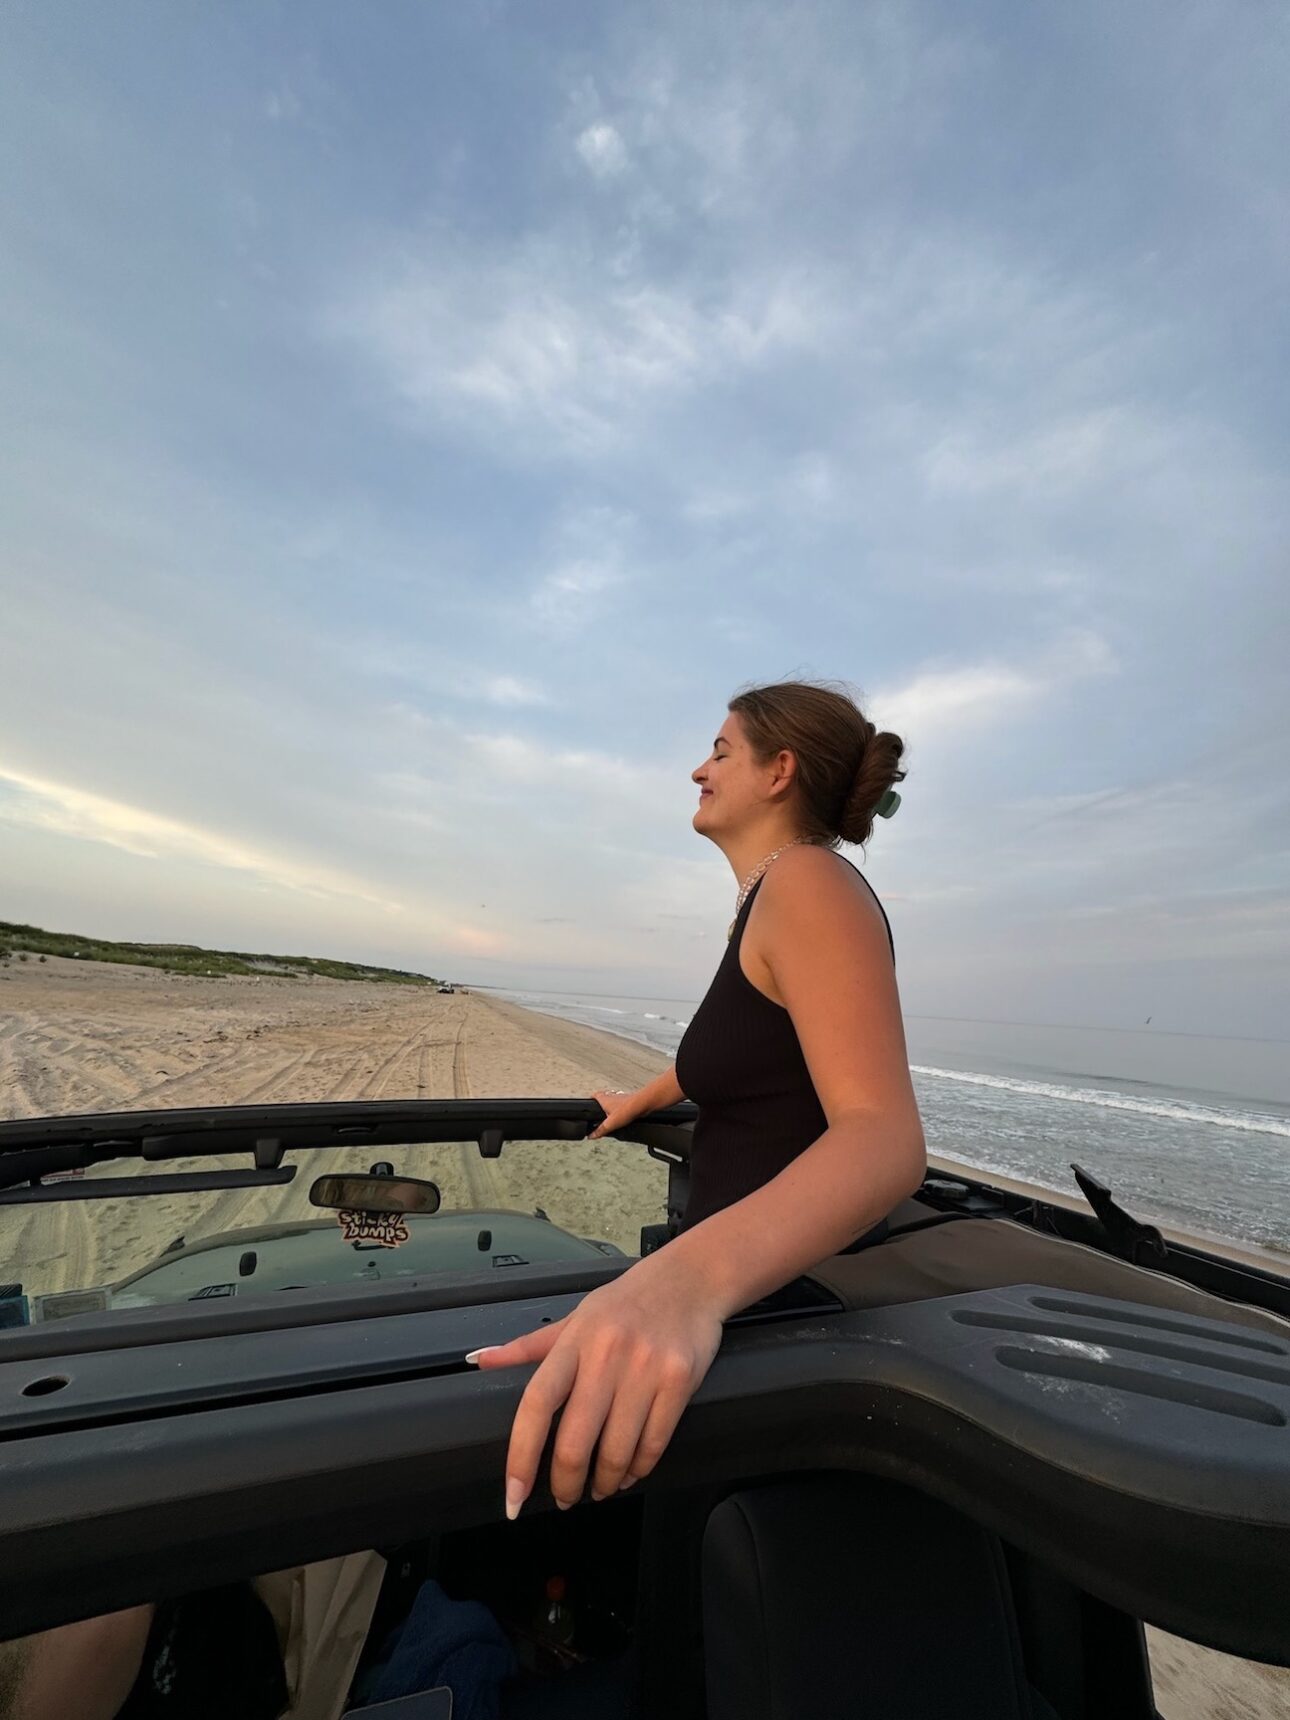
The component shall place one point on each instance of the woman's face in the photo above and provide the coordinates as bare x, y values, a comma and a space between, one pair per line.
729, 784
733, 786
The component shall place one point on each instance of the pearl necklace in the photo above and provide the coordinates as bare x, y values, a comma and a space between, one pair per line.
753, 877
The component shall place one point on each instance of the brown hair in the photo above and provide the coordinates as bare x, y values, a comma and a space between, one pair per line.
844, 764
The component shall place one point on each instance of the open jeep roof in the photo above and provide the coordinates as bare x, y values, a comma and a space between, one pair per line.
1143, 1450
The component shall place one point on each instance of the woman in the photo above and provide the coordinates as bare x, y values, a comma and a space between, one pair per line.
808, 1130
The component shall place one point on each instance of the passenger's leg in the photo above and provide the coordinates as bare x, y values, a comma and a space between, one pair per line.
86, 1669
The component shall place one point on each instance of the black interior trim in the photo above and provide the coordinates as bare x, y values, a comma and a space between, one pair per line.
112, 1491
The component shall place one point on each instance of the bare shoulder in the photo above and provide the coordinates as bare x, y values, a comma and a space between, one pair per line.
823, 876
824, 955
811, 902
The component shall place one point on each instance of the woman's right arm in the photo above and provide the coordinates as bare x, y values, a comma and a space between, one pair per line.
662, 1091
622, 1109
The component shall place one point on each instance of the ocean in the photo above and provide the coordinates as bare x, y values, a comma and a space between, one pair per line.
1191, 1130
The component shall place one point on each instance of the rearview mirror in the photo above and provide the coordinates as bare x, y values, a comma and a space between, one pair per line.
375, 1194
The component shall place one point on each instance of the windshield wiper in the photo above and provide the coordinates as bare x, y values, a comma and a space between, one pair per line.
118, 1188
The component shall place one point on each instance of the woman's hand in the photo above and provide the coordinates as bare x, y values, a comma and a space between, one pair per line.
627, 1360
620, 1109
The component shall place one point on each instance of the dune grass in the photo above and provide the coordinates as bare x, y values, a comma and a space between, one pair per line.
26, 942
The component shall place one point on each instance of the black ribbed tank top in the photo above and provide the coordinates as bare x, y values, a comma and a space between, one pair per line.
741, 1063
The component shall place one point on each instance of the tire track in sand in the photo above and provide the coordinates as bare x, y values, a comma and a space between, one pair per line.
205, 1076
286, 1070
348, 1083
249, 1205
482, 1181
43, 1073
51, 1246
381, 1078
240, 1207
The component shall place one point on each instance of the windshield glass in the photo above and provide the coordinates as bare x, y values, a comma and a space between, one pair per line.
540, 1202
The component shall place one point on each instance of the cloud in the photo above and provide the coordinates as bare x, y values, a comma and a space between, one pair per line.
707, 505
940, 707
512, 772
454, 675
856, 331
507, 690
282, 104
602, 149
588, 560
40, 804
1070, 454
533, 340
566, 598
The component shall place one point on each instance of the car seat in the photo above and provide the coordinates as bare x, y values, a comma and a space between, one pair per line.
845, 1597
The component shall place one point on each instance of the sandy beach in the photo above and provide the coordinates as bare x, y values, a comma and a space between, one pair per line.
82, 1037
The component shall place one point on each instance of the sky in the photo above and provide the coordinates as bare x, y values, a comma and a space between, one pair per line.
422, 419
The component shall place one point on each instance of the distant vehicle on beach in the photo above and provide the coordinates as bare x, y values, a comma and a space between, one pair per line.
447, 990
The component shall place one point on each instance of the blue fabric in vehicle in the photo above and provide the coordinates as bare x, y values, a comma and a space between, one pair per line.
443, 1641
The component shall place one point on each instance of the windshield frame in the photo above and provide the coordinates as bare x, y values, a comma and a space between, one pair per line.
34, 1147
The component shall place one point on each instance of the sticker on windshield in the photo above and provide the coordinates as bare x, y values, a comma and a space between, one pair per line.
386, 1229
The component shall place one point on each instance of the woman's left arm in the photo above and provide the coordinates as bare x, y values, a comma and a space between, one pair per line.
627, 1360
